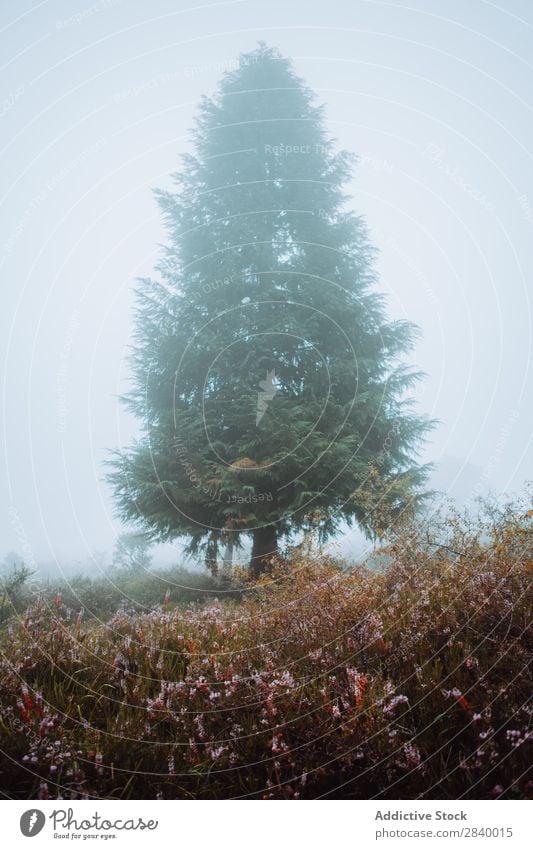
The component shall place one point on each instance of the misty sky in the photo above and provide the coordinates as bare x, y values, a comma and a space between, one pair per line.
96, 104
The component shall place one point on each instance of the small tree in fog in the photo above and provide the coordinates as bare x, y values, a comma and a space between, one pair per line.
266, 374
14, 594
131, 553
10, 561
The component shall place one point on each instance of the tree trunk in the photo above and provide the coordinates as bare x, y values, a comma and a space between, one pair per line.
265, 546
227, 560
211, 556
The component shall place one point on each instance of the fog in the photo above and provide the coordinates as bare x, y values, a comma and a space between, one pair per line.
96, 106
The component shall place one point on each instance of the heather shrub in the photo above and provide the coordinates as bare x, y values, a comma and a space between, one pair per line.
407, 681
14, 592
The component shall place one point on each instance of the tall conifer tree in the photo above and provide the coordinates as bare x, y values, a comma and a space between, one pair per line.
268, 380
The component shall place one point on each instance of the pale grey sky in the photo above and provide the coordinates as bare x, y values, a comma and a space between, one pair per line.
96, 103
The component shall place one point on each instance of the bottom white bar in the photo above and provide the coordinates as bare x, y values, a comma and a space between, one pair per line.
268, 824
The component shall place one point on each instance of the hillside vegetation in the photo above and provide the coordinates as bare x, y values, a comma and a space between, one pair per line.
407, 681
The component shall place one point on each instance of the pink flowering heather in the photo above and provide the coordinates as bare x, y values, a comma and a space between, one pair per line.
409, 681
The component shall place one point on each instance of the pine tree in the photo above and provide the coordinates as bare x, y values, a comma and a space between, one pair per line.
268, 380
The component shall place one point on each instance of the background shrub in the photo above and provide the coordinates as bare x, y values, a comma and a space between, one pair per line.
405, 682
